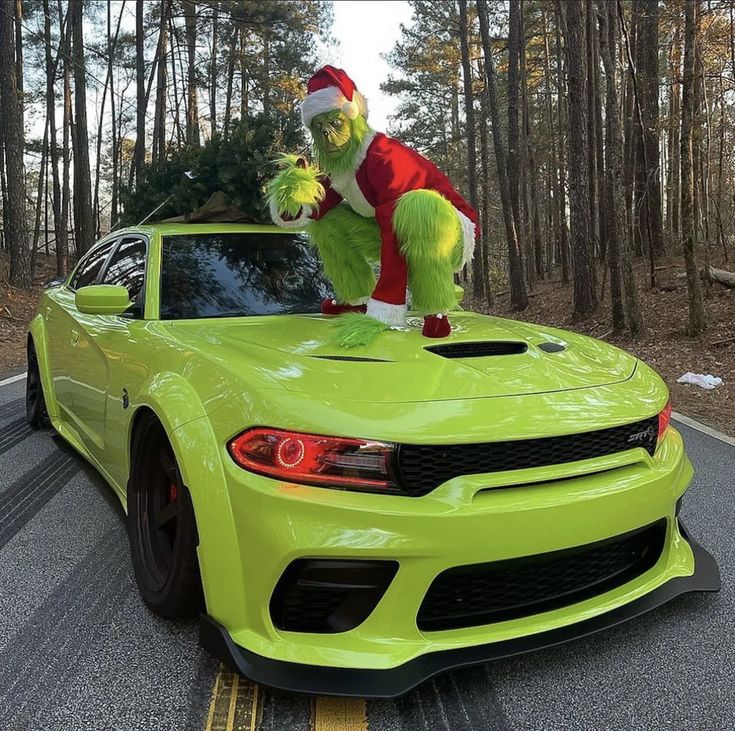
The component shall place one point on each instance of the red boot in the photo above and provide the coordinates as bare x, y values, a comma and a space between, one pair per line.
330, 307
436, 326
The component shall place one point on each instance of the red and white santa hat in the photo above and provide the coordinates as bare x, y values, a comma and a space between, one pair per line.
328, 89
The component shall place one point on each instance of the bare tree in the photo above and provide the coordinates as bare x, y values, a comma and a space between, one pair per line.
192, 110
478, 281
518, 296
622, 279
13, 144
83, 223
697, 320
585, 296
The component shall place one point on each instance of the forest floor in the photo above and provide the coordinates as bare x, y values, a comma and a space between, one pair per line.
17, 307
665, 346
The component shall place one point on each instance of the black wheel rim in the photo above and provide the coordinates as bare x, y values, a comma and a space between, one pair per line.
159, 502
33, 384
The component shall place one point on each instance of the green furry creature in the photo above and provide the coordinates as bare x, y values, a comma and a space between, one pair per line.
371, 199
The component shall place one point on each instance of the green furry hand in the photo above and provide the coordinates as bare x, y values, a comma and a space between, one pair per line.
296, 185
354, 330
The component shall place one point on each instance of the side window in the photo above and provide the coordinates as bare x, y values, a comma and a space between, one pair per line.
88, 271
127, 268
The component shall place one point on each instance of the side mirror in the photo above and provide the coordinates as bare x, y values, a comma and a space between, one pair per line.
102, 299
459, 293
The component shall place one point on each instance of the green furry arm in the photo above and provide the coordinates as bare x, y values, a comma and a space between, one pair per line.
296, 185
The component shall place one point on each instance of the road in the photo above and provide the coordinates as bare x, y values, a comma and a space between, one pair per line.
79, 650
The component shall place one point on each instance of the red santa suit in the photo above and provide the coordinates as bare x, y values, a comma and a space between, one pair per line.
386, 170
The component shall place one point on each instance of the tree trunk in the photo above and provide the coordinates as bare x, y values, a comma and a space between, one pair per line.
585, 296
624, 295
514, 52
139, 151
518, 296
159, 114
83, 223
673, 188
485, 206
561, 124
552, 170
591, 87
243, 77
192, 110
230, 79
51, 69
13, 143
66, 123
213, 71
697, 323
478, 281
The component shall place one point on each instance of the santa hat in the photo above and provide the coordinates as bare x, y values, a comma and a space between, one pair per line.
328, 89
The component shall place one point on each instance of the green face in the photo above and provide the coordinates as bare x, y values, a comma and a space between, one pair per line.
331, 132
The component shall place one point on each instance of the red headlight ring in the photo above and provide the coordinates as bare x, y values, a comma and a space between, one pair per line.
312, 459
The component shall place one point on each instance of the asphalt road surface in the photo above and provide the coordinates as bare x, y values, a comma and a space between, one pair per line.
79, 650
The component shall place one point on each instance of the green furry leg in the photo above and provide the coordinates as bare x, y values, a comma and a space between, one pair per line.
347, 243
354, 330
430, 238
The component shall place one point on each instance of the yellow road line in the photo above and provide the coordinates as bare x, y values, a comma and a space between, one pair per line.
234, 703
254, 709
339, 714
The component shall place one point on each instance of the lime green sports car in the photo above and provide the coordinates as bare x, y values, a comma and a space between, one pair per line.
351, 522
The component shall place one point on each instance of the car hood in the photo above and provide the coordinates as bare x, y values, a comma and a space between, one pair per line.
483, 357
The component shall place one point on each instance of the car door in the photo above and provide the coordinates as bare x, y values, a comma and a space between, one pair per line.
104, 341
63, 328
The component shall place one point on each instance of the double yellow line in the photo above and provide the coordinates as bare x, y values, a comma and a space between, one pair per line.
236, 705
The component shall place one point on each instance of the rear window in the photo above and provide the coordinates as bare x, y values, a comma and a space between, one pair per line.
237, 274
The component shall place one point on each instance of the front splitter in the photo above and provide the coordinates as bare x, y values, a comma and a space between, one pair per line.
392, 682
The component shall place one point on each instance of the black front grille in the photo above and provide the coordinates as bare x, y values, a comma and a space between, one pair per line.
478, 349
469, 596
423, 467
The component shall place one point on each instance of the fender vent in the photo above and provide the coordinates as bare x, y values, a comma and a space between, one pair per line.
479, 349
550, 347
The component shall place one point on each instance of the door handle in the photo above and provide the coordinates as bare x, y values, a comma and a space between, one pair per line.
74, 337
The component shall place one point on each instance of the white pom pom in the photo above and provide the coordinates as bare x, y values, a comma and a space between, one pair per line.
350, 109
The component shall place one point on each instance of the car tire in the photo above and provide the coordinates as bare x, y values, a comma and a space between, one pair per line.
162, 526
36, 414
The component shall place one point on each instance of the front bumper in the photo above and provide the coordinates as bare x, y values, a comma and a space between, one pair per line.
388, 683
252, 528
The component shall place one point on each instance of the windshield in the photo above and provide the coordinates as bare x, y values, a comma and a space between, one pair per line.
238, 274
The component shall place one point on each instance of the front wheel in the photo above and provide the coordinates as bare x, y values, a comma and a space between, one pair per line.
36, 414
162, 527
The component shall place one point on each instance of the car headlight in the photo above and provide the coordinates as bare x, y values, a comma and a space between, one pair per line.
311, 459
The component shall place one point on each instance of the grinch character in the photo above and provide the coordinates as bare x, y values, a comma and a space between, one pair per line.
370, 198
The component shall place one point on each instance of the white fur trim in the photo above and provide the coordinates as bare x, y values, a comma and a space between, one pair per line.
330, 98
299, 222
346, 183
468, 238
391, 315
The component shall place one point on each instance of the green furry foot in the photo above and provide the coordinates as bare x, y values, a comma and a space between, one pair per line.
354, 330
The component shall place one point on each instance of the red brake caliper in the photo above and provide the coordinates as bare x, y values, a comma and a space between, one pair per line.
173, 492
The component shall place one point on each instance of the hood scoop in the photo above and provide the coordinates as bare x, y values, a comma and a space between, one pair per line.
352, 358
478, 349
